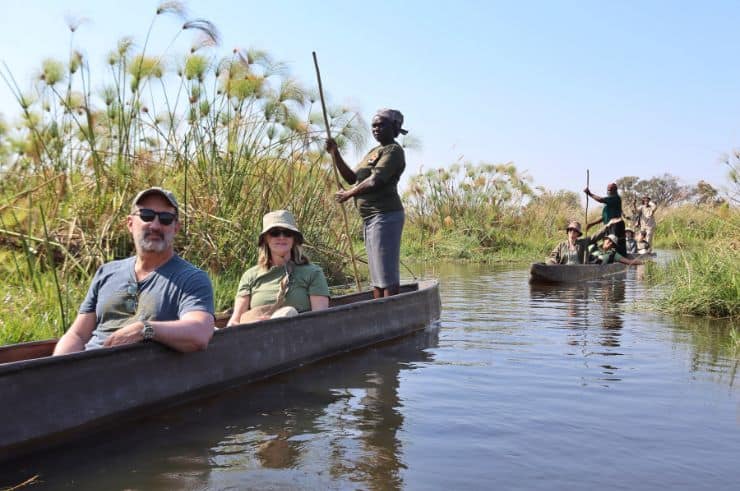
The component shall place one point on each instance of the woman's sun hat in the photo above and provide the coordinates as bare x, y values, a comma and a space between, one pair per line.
280, 219
575, 225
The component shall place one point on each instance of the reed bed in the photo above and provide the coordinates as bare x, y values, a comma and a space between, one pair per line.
703, 279
484, 212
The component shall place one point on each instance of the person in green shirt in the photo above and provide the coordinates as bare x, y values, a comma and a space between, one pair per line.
612, 209
374, 189
283, 273
608, 254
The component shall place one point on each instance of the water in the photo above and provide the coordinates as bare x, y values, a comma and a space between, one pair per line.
518, 387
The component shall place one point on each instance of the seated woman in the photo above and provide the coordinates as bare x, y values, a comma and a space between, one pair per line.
608, 253
284, 282
629, 239
575, 250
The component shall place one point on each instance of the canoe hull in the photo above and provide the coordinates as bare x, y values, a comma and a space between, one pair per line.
574, 273
48, 400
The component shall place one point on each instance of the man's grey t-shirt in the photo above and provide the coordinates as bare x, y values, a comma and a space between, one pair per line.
169, 292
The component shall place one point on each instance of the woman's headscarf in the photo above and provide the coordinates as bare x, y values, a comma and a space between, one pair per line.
395, 117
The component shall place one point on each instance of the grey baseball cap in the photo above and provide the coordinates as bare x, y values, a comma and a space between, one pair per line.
168, 195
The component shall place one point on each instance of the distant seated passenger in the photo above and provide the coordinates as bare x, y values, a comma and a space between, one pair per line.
608, 253
284, 282
575, 249
629, 235
643, 246
152, 296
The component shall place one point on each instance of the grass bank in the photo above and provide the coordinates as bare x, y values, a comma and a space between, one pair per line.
703, 278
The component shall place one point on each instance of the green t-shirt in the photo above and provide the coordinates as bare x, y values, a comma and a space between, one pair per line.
603, 256
386, 163
612, 208
263, 286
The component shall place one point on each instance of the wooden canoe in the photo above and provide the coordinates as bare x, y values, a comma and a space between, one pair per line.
49, 400
574, 273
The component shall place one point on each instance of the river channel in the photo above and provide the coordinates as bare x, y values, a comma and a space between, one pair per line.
517, 387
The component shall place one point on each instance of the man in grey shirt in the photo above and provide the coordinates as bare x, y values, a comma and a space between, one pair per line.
155, 295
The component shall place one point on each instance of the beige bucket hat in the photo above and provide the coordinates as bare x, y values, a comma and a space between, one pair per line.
280, 219
573, 224
613, 238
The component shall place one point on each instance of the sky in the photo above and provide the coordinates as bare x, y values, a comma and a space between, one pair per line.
620, 88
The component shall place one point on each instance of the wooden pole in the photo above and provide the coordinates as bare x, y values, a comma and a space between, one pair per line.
585, 224
336, 176
587, 185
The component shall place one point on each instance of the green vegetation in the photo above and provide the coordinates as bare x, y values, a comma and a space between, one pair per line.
703, 278
483, 213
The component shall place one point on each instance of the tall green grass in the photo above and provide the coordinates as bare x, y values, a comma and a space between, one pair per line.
703, 278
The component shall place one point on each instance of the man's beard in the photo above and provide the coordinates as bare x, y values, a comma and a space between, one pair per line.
145, 244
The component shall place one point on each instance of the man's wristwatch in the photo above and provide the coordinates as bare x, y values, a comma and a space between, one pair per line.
147, 332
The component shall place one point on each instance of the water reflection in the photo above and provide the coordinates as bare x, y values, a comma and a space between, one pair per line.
584, 308
332, 424
715, 346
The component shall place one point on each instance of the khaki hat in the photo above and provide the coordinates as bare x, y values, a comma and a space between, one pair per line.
168, 195
627, 229
574, 225
280, 219
613, 238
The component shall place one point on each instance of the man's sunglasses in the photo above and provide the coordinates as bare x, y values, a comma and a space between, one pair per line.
277, 232
132, 300
147, 215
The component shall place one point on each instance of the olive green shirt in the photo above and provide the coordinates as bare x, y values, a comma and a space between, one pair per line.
612, 208
601, 256
263, 286
386, 163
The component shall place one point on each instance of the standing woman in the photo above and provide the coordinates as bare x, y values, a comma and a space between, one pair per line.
375, 182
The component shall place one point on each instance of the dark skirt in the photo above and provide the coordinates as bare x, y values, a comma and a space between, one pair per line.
382, 234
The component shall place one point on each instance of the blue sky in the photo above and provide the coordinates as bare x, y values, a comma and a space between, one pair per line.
621, 88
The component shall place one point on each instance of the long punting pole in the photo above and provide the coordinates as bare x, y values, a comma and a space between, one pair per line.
585, 224
336, 176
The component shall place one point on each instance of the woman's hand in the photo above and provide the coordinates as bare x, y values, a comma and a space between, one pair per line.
331, 146
342, 196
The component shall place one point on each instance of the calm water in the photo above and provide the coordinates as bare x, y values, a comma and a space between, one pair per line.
518, 387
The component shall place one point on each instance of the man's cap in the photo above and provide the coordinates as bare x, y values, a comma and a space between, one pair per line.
168, 195
613, 238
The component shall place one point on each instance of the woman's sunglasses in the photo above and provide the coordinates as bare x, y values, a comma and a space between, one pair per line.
277, 232
147, 215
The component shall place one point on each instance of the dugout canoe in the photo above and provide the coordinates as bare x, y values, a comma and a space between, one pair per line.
574, 273
49, 400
